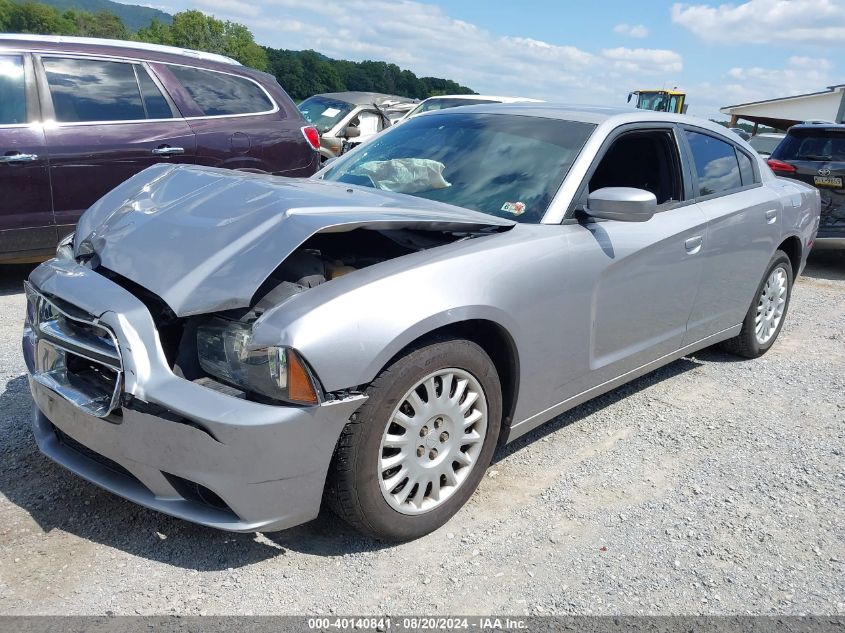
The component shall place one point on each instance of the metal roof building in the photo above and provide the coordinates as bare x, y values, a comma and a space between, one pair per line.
827, 105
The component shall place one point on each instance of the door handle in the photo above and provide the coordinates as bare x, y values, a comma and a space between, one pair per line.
771, 216
18, 158
168, 151
693, 244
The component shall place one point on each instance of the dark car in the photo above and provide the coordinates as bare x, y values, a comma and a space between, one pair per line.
78, 116
815, 153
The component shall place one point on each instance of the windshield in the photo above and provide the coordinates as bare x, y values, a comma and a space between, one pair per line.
653, 101
437, 103
503, 165
324, 113
765, 144
812, 144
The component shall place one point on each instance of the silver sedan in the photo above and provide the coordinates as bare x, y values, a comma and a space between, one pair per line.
233, 348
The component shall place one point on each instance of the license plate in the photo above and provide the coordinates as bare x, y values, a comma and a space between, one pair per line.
828, 181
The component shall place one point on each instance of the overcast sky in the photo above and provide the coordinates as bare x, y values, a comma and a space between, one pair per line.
578, 52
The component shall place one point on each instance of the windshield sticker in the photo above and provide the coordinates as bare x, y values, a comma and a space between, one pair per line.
331, 112
517, 208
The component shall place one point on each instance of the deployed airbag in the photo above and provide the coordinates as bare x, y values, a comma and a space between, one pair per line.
405, 175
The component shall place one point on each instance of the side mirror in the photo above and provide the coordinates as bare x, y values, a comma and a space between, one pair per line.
630, 94
624, 204
352, 132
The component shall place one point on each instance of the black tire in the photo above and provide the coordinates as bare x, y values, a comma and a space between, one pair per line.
745, 343
352, 488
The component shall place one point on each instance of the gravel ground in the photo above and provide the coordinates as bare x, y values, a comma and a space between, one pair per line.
710, 486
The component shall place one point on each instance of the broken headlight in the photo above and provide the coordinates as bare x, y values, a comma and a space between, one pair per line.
275, 372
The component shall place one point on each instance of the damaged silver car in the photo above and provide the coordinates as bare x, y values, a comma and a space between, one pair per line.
233, 348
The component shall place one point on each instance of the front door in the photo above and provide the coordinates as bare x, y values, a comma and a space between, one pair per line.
641, 277
26, 213
111, 121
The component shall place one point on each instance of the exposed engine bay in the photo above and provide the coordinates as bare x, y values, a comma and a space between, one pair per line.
327, 256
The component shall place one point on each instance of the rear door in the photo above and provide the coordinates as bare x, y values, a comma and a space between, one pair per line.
237, 122
112, 120
743, 229
26, 213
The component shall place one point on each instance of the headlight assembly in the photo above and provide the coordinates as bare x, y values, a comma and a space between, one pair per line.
275, 372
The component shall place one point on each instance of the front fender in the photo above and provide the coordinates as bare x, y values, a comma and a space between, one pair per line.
350, 328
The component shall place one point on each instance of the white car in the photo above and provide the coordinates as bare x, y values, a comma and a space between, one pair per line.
765, 144
453, 101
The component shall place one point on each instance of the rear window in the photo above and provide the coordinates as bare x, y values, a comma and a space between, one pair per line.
812, 144
765, 144
221, 94
87, 90
441, 104
12, 90
716, 164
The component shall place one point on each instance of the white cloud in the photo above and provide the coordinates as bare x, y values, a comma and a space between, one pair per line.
426, 40
631, 30
645, 60
820, 22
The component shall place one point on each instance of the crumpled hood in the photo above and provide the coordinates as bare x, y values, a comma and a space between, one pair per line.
204, 239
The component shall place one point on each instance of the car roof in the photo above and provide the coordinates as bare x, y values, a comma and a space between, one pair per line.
493, 98
118, 48
365, 98
817, 126
770, 135
584, 114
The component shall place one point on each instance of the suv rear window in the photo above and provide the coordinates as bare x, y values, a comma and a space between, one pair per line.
86, 90
12, 91
812, 144
220, 94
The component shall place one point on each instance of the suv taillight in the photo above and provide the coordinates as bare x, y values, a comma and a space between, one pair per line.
312, 136
779, 165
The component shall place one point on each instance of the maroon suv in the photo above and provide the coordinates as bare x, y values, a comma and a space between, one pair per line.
79, 116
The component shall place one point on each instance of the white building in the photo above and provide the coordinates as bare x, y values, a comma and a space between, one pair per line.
827, 105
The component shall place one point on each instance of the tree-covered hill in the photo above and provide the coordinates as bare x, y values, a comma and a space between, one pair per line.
301, 73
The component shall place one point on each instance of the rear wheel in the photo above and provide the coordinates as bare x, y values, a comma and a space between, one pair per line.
416, 450
765, 317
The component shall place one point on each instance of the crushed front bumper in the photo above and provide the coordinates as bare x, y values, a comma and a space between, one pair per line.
171, 444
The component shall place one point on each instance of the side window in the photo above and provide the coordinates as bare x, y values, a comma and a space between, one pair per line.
93, 90
746, 170
155, 103
12, 90
715, 163
221, 94
643, 160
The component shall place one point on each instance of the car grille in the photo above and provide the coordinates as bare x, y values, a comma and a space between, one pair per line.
71, 353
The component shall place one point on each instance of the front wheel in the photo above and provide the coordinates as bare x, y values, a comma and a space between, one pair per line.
417, 449
765, 317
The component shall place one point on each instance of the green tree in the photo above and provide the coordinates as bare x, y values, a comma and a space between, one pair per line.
194, 29
239, 44
102, 24
156, 33
32, 17
6, 9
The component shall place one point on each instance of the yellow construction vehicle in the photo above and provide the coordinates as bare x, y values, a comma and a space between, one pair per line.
660, 100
